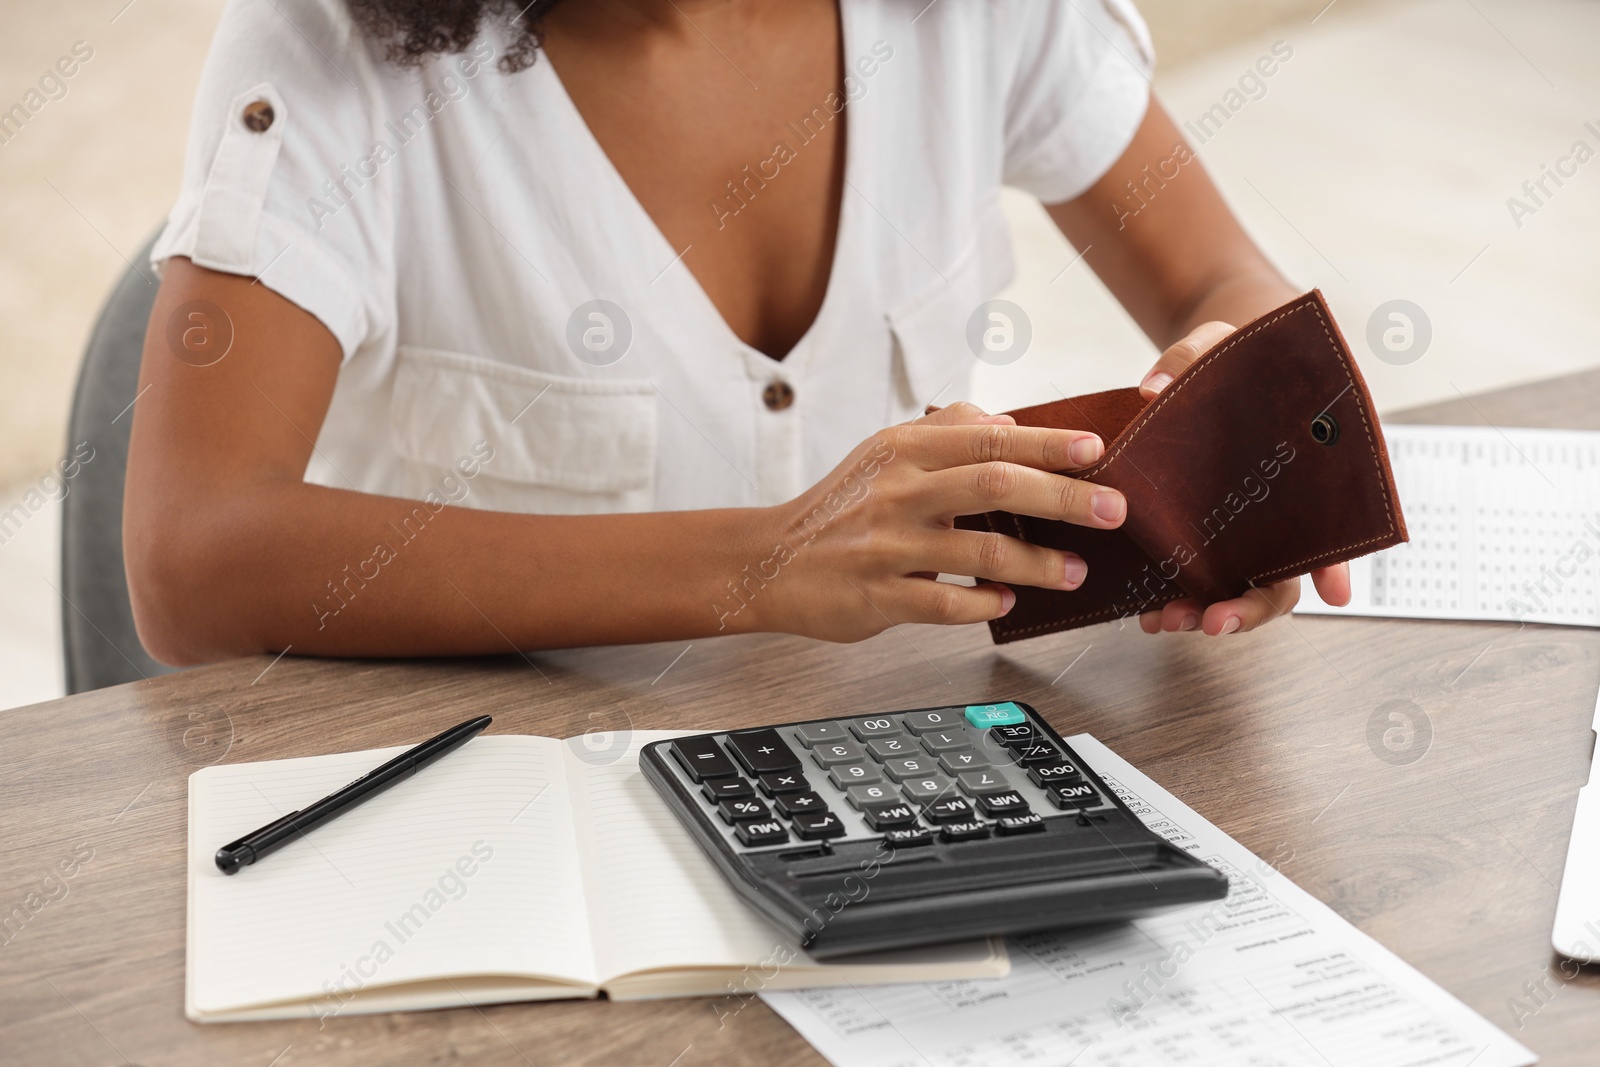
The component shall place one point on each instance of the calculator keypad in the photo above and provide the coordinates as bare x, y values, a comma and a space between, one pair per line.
909, 779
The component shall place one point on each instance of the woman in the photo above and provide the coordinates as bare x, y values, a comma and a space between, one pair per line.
656, 290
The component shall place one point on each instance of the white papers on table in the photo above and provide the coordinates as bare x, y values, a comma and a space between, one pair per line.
1268, 976
1504, 525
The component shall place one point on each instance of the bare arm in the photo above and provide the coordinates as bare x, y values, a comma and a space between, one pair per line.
230, 552
1170, 250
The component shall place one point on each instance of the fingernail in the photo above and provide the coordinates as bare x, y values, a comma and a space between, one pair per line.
1107, 507
1074, 572
1156, 382
1190, 621
1008, 599
1229, 625
1085, 450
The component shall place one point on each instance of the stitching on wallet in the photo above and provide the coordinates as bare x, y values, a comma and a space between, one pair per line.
1194, 372
1294, 568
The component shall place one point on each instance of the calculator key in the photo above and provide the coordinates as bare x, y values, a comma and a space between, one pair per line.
945, 740
806, 803
883, 748
848, 774
1047, 773
924, 789
887, 816
911, 767
737, 811
985, 715
701, 758
815, 827
1017, 734
964, 831
783, 782
950, 809
826, 755
958, 761
1036, 752
877, 726
977, 783
927, 722
1074, 795
1019, 824
860, 796
909, 838
735, 788
816, 733
770, 832
1009, 802
762, 751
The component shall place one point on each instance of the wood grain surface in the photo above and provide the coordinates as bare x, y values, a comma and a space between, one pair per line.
1449, 853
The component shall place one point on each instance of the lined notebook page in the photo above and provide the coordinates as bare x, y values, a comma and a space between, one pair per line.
655, 900
1504, 525
469, 868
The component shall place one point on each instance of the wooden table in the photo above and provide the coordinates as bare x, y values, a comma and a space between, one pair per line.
1450, 853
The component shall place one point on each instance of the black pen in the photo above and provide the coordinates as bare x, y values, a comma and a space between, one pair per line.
273, 836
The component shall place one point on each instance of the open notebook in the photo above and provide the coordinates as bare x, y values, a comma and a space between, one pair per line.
515, 868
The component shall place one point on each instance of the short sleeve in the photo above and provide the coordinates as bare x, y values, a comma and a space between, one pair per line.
1079, 89
279, 143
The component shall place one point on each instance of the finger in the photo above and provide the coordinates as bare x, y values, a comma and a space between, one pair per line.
1333, 584
1150, 622
980, 487
918, 600
999, 558
1176, 359
1257, 606
1179, 616
937, 447
960, 413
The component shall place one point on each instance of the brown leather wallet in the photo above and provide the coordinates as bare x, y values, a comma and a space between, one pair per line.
1261, 461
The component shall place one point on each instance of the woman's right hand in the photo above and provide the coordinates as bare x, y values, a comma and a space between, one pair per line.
859, 551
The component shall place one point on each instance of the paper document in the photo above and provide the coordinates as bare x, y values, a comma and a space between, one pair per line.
1269, 976
1504, 524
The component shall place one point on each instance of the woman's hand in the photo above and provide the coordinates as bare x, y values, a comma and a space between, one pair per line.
859, 552
1257, 605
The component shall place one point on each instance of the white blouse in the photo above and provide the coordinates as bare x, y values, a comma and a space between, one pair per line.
496, 288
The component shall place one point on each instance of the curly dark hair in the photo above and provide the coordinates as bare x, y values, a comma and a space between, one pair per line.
417, 29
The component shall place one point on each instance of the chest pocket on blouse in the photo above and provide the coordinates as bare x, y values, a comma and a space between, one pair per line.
932, 356
561, 446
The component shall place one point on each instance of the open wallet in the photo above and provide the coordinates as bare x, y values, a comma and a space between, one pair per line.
1262, 461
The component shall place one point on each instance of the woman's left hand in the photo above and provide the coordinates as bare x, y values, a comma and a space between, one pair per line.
1257, 605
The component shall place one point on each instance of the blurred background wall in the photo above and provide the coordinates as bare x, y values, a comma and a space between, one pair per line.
1377, 163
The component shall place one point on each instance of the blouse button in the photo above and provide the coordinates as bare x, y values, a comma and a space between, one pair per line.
778, 395
257, 116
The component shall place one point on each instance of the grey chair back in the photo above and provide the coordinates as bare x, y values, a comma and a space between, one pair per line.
100, 644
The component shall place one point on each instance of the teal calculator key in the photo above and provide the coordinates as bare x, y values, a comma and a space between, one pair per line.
984, 716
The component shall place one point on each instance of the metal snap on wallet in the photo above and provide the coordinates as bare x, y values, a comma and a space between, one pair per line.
1262, 461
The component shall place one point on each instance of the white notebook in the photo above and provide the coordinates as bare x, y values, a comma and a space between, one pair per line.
514, 868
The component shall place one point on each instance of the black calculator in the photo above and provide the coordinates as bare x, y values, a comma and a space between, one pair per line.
905, 828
